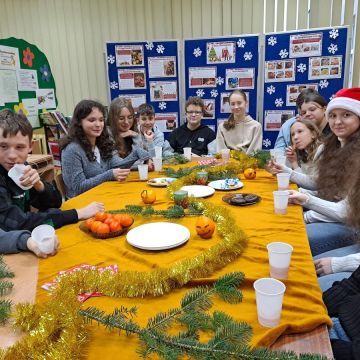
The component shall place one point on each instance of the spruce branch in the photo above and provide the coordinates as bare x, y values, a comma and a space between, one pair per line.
5, 287
5, 309
4, 270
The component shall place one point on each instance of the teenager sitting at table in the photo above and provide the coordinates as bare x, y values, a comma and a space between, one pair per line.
240, 131
87, 157
302, 155
124, 130
310, 105
338, 170
193, 134
15, 202
338, 264
149, 134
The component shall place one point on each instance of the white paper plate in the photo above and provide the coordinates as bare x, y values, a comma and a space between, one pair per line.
221, 185
158, 236
198, 191
161, 182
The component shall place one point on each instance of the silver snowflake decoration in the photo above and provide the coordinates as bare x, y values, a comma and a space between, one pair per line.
162, 105
272, 40
332, 48
248, 56
219, 80
323, 84
241, 43
267, 142
149, 45
279, 102
214, 93
270, 89
197, 52
301, 67
111, 59
200, 92
283, 53
114, 85
160, 49
334, 33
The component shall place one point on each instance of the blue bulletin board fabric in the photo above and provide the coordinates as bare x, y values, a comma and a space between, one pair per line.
214, 67
146, 71
298, 59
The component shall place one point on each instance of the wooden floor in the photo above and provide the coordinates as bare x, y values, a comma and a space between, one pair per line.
25, 267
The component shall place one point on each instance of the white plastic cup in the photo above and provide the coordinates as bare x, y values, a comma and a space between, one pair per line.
44, 236
157, 163
143, 171
280, 159
15, 173
279, 259
187, 152
283, 180
269, 298
158, 151
281, 199
225, 155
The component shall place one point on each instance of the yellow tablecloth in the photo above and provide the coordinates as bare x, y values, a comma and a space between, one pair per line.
303, 309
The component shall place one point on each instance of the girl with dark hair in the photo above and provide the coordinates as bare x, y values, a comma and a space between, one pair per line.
87, 156
240, 131
338, 171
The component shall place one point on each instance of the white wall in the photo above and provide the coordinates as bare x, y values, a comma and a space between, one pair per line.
72, 33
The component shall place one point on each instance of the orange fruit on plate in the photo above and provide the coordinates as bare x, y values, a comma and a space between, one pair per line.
124, 219
95, 225
89, 222
249, 173
100, 216
205, 227
103, 229
108, 220
115, 226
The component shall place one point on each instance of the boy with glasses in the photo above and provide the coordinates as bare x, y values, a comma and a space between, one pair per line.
193, 134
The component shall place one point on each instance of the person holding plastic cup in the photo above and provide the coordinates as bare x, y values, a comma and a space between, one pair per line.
338, 171
200, 138
240, 131
150, 137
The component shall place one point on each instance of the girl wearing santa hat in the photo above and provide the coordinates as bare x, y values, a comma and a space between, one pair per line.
338, 170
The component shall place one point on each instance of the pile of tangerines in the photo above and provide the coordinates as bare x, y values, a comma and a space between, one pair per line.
106, 223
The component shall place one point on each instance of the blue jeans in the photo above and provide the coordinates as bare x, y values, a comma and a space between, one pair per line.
337, 331
328, 236
326, 281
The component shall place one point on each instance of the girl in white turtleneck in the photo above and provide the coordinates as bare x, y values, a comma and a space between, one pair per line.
240, 131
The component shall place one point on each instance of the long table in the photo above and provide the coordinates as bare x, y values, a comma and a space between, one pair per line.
304, 317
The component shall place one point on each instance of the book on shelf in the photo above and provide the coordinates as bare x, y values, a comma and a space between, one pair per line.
55, 118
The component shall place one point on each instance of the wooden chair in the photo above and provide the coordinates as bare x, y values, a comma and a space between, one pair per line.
60, 185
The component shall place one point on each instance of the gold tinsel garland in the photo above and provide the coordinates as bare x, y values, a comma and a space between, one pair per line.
55, 330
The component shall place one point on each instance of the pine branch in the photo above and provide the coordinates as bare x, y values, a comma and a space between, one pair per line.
5, 309
4, 270
5, 287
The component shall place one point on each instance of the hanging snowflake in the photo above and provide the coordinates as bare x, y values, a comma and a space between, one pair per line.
160, 49
283, 53
272, 40
279, 102
162, 105
111, 59
332, 48
248, 55
270, 89
301, 67
241, 43
219, 80
114, 85
200, 92
197, 52
334, 33
214, 93
149, 45
323, 84
267, 142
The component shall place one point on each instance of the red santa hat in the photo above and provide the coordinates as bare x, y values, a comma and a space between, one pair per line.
348, 99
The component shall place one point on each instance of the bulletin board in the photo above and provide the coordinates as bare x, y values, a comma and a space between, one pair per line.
214, 67
26, 81
295, 61
146, 72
